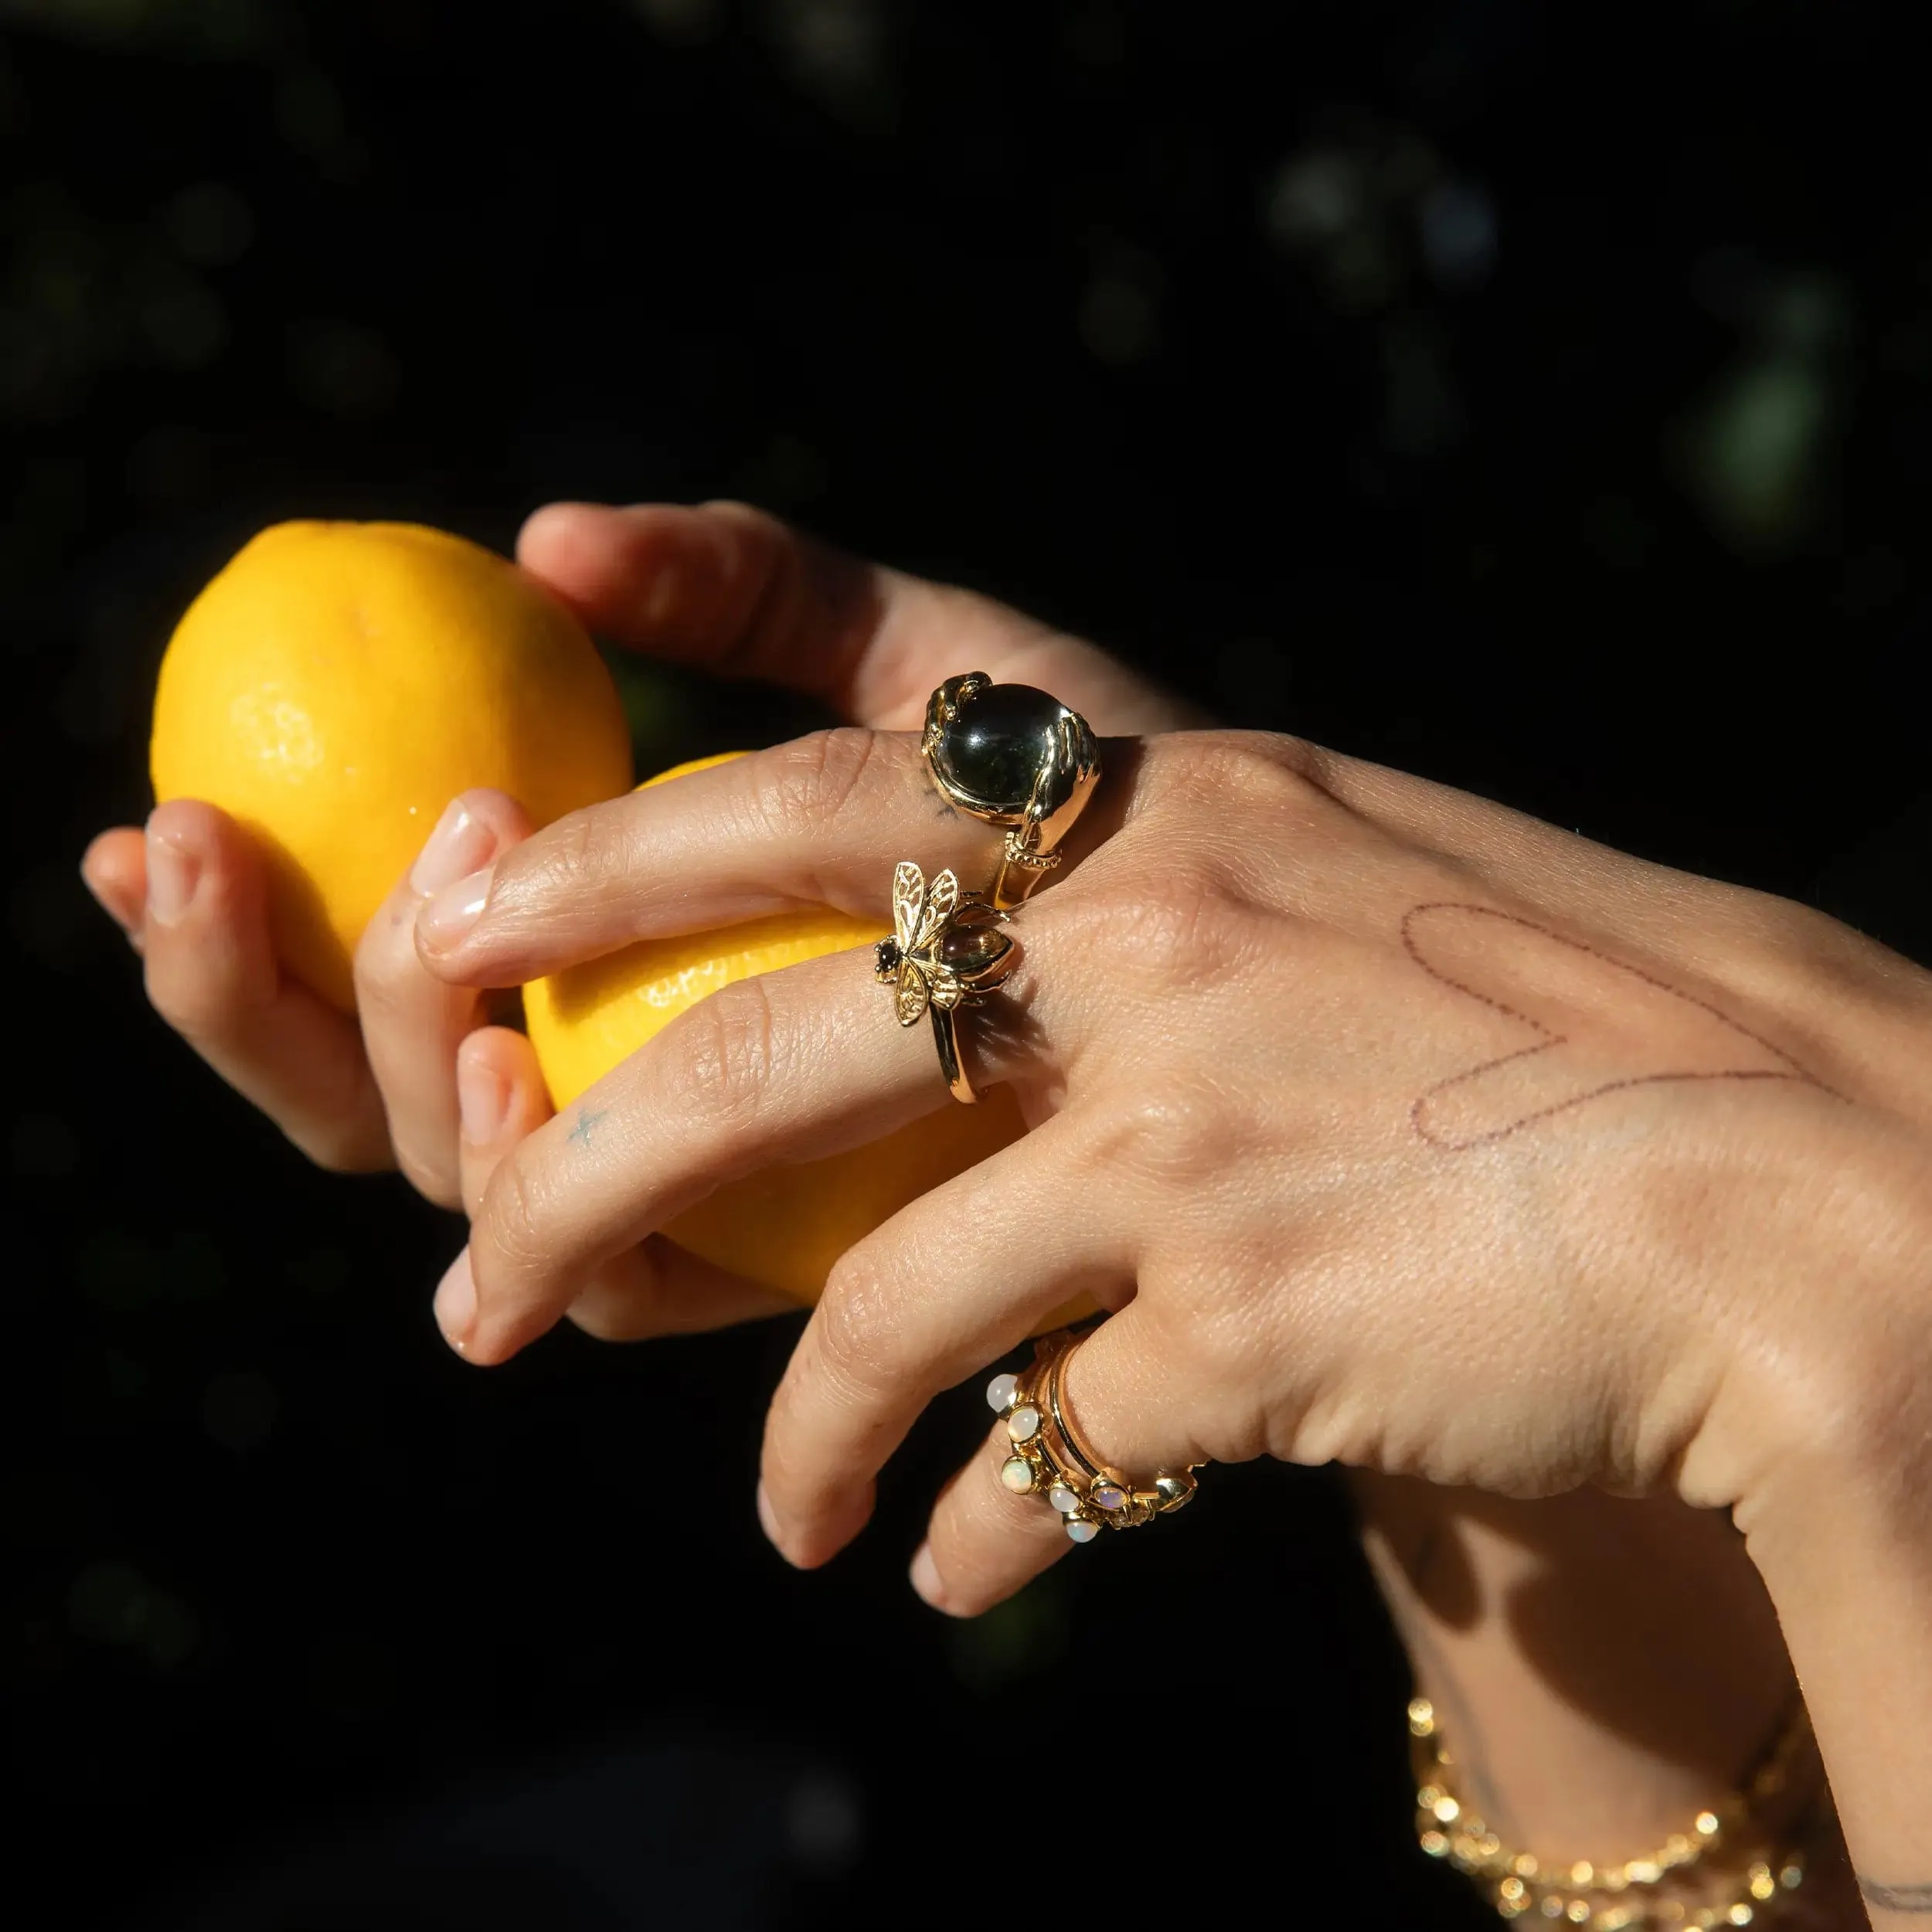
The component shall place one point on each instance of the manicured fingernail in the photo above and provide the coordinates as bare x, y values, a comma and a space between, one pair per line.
924, 1574
131, 927
460, 843
768, 1520
172, 876
455, 1304
445, 920
482, 1100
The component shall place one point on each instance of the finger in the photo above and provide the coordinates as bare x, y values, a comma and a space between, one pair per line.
114, 868
822, 820
656, 1288
794, 1065
501, 1101
727, 587
1128, 1395
1007, 1540
212, 976
948, 1285
413, 1022
804, 824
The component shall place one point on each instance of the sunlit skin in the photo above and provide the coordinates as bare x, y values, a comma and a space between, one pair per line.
1609, 1176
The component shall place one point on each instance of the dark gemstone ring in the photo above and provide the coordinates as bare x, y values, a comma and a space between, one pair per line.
1016, 758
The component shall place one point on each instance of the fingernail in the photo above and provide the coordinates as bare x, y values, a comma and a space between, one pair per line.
107, 906
460, 844
445, 920
172, 876
924, 1574
768, 1519
482, 1100
455, 1304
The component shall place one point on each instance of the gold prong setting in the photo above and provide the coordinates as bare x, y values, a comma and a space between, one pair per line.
1046, 1455
1017, 758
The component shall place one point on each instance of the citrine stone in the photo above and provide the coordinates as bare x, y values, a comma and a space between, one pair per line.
993, 751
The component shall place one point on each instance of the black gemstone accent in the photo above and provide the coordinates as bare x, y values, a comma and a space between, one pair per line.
993, 751
886, 956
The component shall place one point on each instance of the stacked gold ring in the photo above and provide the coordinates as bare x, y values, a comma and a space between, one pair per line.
1050, 1456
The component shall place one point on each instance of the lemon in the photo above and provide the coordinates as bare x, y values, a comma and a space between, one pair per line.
786, 1225
337, 684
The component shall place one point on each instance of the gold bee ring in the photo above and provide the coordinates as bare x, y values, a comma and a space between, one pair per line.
945, 952
1016, 758
1046, 1454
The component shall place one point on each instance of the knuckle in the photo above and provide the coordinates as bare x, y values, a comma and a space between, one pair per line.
1186, 1129
721, 1055
1184, 930
807, 784
509, 1237
582, 852
857, 1345
1264, 771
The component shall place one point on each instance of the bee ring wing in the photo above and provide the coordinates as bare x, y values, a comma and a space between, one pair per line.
915, 992
909, 900
942, 897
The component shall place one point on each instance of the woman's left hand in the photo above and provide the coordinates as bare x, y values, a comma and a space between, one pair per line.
1401, 1130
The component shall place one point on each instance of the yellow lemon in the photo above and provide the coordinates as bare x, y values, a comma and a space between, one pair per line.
337, 684
786, 1225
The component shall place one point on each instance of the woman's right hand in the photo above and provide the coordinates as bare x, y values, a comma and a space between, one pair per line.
417, 1079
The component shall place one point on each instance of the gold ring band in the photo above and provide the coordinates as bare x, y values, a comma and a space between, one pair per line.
1018, 758
1050, 1456
946, 951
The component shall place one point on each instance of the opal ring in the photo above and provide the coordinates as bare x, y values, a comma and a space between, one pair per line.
946, 951
1018, 758
1046, 1455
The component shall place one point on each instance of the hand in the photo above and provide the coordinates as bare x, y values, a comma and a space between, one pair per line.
1401, 1130
723, 587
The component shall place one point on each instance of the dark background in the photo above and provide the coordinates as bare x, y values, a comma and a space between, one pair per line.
1536, 398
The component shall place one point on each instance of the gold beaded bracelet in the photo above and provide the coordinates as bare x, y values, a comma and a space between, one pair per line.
1649, 1890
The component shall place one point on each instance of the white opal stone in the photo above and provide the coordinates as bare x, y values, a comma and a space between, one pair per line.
1017, 1473
1063, 1498
1001, 1391
1023, 1424
1081, 1532
1107, 1496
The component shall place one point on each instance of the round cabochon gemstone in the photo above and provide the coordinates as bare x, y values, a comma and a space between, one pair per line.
1017, 1473
968, 950
999, 1391
1080, 1530
993, 751
1023, 1424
